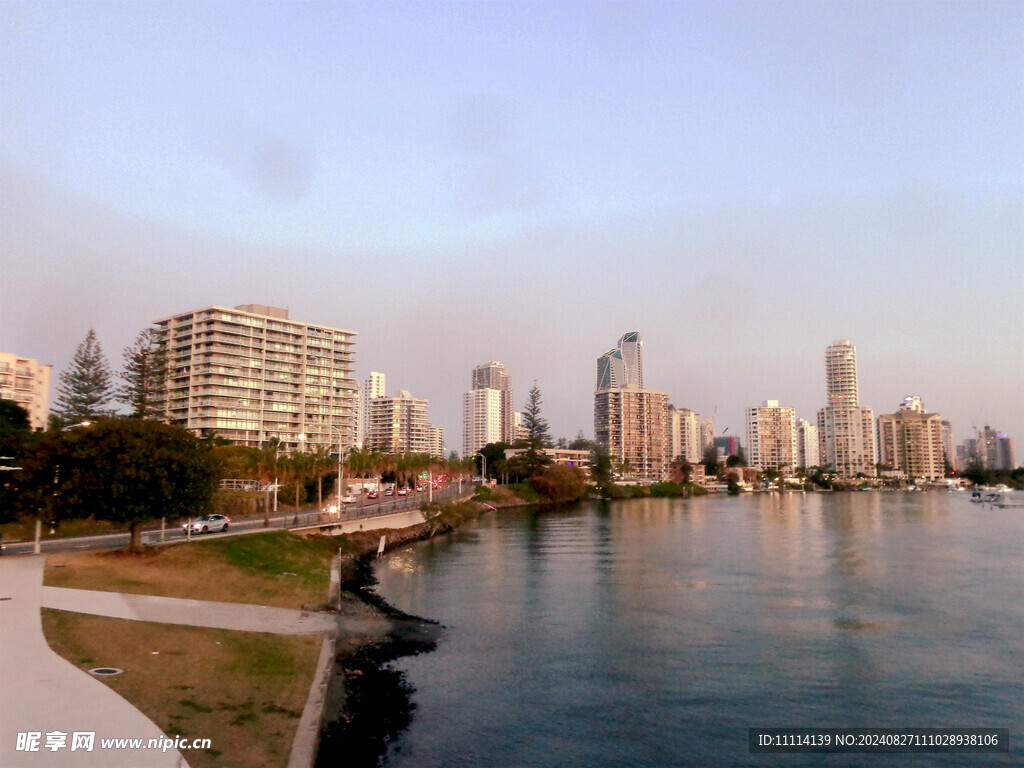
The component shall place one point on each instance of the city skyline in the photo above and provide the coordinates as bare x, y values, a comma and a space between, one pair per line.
456, 183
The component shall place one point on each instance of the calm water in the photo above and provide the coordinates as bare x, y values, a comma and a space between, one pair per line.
656, 632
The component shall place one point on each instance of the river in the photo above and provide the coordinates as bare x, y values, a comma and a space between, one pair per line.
656, 632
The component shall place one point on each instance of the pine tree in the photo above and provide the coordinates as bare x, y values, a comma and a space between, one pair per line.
143, 375
85, 388
537, 426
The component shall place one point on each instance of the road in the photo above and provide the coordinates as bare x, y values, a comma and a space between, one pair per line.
153, 535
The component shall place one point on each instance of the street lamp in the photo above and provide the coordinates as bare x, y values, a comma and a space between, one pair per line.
341, 460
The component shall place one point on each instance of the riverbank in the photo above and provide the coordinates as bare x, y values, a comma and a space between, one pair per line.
368, 704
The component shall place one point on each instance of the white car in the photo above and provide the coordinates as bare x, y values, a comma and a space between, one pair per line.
207, 524
348, 498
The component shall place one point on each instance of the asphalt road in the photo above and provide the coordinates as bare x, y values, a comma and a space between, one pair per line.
152, 535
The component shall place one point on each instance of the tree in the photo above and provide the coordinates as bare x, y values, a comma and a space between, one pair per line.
85, 388
536, 425
16, 437
15, 429
560, 483
127, 471
534, 460
710, 460
600, 466
580, 443
143, 375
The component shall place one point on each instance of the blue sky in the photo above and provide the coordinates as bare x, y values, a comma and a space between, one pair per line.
743, 183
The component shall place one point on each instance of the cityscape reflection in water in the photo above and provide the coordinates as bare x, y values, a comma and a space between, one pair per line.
655, 632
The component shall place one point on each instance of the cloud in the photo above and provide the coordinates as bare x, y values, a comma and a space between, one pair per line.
281, 171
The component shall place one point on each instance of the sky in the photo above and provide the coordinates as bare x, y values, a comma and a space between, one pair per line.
742, 183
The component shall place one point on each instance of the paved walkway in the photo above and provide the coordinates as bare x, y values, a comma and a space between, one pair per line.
240, 617
42, 693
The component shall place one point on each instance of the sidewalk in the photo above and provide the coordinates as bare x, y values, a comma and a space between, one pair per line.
41, 692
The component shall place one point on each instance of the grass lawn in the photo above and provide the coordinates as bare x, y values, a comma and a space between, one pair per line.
244, 691
276, 568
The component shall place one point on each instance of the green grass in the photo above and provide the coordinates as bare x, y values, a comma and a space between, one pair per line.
256, 568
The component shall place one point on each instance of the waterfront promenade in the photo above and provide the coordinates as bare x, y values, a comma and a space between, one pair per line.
42, 693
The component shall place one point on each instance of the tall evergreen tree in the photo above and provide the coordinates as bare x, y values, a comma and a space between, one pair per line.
536, 425
537, 429
85, 387
143, 375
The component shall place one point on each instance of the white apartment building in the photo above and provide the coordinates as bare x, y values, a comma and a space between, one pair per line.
249, 374
398, 424
771, 437
493, 375
684, 435
808, 452
26, 382
436, 441
846, 433
482, 419
373, 387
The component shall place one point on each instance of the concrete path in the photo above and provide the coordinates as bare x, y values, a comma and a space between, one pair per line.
42, 693
240, 617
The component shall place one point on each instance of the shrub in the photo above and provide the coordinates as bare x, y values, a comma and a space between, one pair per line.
560, 483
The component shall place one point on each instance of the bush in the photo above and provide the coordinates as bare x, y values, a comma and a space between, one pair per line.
560, 483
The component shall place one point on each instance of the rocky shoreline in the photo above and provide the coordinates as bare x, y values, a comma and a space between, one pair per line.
368, 702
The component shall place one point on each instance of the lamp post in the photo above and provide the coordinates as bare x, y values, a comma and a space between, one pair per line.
341, 462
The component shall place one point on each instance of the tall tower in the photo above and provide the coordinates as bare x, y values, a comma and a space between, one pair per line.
632, 348
846, 431
492, 375
630, 422
841, 373
487, 409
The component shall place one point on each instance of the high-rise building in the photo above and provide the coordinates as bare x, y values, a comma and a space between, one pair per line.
910, 441
707, 433
492, 375
684, 438
990, 449
807, 450
398, 424
630, 422
947, 443
622, 367
481, 419
436, 446
373, 387
846, 431
26, 382
488, 418
771, 437
250, 374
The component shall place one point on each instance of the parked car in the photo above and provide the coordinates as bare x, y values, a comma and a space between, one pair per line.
348, 498
207, 524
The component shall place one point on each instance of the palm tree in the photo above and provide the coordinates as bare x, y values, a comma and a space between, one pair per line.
322, 462
263, 463
298, 467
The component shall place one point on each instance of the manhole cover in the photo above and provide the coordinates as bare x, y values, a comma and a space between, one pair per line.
105, 671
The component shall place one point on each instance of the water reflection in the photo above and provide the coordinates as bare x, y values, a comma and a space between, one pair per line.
638, 632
